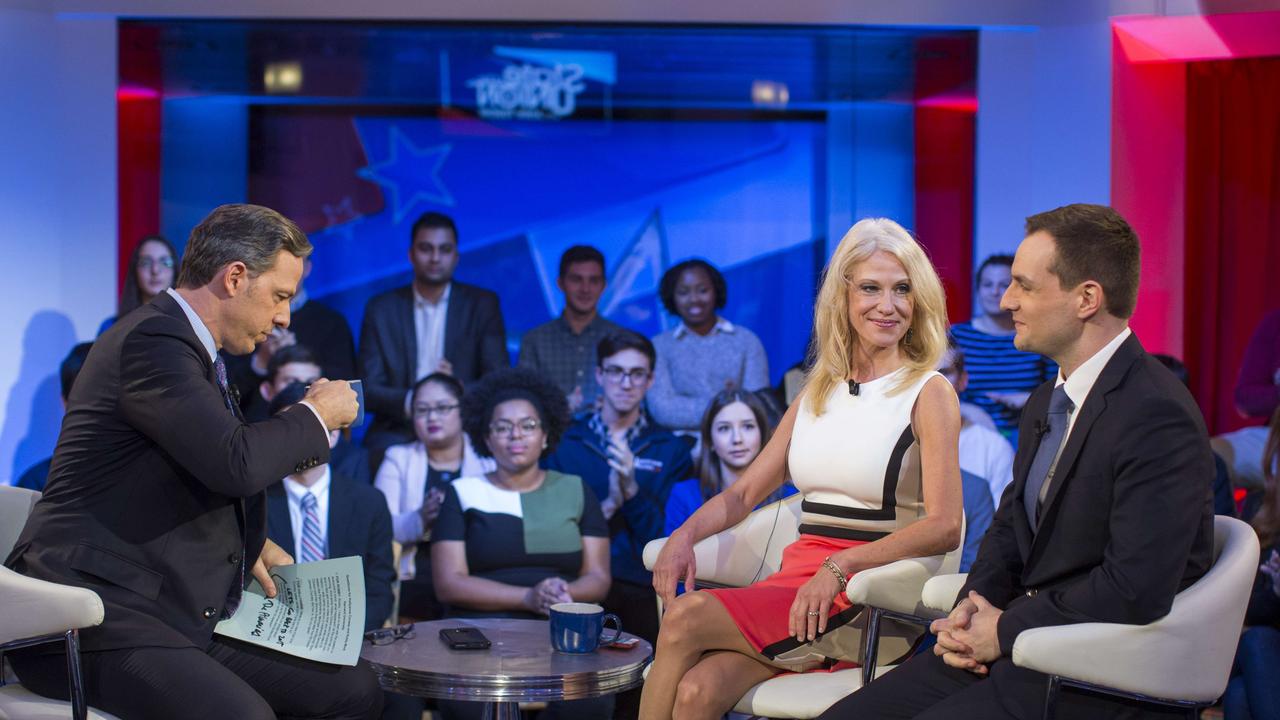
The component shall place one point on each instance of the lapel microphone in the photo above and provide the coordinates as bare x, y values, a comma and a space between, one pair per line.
854, 387
1042, 429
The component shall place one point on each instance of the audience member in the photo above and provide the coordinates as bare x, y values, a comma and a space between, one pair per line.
735, 428
564, 349
1224, 502
1257, 395
876, 427
983, 451
434, 324
1258, 387
413, 478
318, 513
290, 364
705, 353
986, 460
517, 540
1001, 377
34, 477
1253, 693
297, 363
1110, 515
152, 267
631, 464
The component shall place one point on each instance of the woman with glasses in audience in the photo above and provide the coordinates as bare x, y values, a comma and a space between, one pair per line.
705, 353
152, 269
414, 476
734, 429
517, 540
871, 443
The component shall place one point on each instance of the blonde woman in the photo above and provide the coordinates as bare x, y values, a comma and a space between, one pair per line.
871, 443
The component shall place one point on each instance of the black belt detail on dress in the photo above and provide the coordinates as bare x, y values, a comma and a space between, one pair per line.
788, 644
841, 533
888, 509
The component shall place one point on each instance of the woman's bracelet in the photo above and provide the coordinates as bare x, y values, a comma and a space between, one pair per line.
831, 565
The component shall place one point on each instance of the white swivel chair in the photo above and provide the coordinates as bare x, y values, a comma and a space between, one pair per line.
1182, 660
35, 612
752, 550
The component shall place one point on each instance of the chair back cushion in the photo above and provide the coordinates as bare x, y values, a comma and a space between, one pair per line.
15, 506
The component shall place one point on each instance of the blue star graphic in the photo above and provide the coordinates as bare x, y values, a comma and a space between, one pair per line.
410, 172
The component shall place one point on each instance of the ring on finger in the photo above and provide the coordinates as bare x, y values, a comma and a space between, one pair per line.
814, 613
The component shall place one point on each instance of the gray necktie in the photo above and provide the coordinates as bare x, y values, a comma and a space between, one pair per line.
1054, 429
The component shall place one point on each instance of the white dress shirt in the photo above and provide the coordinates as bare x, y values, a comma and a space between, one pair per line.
429, 318
1077, 389
294, 490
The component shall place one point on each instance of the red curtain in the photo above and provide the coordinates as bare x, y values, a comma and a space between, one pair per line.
1233, 222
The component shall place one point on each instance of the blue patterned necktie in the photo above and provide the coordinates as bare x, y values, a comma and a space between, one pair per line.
220, 369
1054, 430
312, 541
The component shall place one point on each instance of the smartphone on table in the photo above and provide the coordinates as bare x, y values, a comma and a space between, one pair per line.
464, 638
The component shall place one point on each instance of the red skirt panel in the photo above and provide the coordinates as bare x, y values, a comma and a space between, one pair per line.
761, 610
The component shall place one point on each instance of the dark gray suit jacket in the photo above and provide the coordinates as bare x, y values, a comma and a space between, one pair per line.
475, 342
156, 488
1128, 518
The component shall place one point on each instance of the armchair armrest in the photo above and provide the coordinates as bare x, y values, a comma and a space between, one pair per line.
1145, 659
746, 552
897, 587
940, 592
35, 607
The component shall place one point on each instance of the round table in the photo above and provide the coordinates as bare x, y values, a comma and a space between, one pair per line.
520, 666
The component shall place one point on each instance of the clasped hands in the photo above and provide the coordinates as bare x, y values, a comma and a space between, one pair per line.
967, 638
546, 593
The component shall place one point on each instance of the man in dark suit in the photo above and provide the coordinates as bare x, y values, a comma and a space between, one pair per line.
351, 519
431, 325
156, 496
1109, 514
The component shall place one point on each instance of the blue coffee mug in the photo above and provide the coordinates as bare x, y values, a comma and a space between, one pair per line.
576, 627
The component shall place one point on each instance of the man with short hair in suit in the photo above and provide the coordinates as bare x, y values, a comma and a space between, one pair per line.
1109, 515
320, 513
434, 324
156, 496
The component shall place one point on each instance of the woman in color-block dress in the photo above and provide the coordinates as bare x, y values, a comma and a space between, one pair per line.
872, 445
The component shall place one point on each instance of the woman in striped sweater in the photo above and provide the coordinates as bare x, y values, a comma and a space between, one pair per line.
1001, 377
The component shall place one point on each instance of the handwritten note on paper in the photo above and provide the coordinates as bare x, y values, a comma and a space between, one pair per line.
317, 613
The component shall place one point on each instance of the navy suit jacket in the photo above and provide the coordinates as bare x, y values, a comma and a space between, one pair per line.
475, 342
1128, 518
359, 524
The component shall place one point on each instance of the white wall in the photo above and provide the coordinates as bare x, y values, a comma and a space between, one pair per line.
57, 213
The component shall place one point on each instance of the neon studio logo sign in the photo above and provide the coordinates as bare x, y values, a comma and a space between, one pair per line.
541, 84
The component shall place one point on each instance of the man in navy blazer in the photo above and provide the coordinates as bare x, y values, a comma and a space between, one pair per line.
156, 498
1110, 512
357, 521
432, 325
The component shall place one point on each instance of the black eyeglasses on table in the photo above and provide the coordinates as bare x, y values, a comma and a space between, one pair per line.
388, 635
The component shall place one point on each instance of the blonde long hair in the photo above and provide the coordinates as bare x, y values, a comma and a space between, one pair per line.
834, 339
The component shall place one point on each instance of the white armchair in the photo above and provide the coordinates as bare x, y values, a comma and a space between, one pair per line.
37, 612
752, 550
1181, 660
